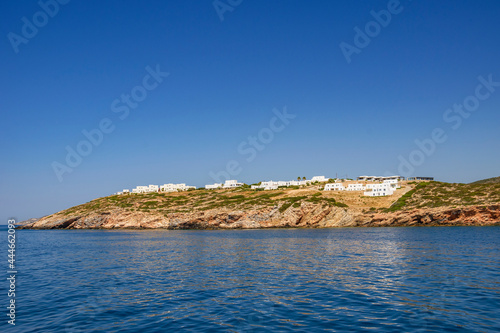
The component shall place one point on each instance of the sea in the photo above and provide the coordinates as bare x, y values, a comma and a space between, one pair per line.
406, 279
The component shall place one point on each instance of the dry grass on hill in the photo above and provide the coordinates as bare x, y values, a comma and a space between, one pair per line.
438, 194
236, 199
410, 196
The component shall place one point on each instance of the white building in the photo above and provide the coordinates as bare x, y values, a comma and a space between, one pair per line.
334, 187
162, 188
273, 185
355, 187
366, 178
175, 187
140, 189
318, 179
232, 184
379, 178
145, 189
213, 186
379, 190
270, 185
169, 187
394, 183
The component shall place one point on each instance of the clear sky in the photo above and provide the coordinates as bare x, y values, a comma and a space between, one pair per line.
354, 90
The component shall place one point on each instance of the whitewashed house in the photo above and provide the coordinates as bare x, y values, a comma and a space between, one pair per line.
126, 191
270, 185
355, 187
175, 187
169, 187
140, 189
318, 179
334, 187
394, 183
162, 188
381, 189
232, 184
213, 186
274, 185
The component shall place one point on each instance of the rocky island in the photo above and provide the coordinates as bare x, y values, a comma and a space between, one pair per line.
414, 204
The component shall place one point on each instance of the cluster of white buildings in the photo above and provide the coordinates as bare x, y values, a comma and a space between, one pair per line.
156, 188
273, 185
269, 185
384, 186
372, 185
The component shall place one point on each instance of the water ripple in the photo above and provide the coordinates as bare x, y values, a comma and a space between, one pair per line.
386, 279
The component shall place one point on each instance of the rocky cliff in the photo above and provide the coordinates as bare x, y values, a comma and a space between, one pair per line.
441, 216
307, 216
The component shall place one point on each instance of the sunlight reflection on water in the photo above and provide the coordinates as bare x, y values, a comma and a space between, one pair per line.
391, 279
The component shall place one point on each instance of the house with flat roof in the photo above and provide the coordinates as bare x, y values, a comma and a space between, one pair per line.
140, 189
334, 187
273, 185
379, 178
318, 179
175, 187
376, 190
232, 184
421, 178
366, 178
355, 187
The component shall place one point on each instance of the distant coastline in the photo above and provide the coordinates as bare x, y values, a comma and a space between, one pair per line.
413, 204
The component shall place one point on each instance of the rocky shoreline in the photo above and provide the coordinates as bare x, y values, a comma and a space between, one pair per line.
307, 216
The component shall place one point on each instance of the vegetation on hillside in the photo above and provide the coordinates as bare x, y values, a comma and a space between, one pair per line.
438, 194
493, 180
199, 200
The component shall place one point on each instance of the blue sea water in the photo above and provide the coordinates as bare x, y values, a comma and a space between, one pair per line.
356, 279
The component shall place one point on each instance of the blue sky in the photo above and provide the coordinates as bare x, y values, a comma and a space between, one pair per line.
225, 79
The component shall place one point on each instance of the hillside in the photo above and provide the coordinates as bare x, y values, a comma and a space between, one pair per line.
431, 203
494, 180
452, 195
